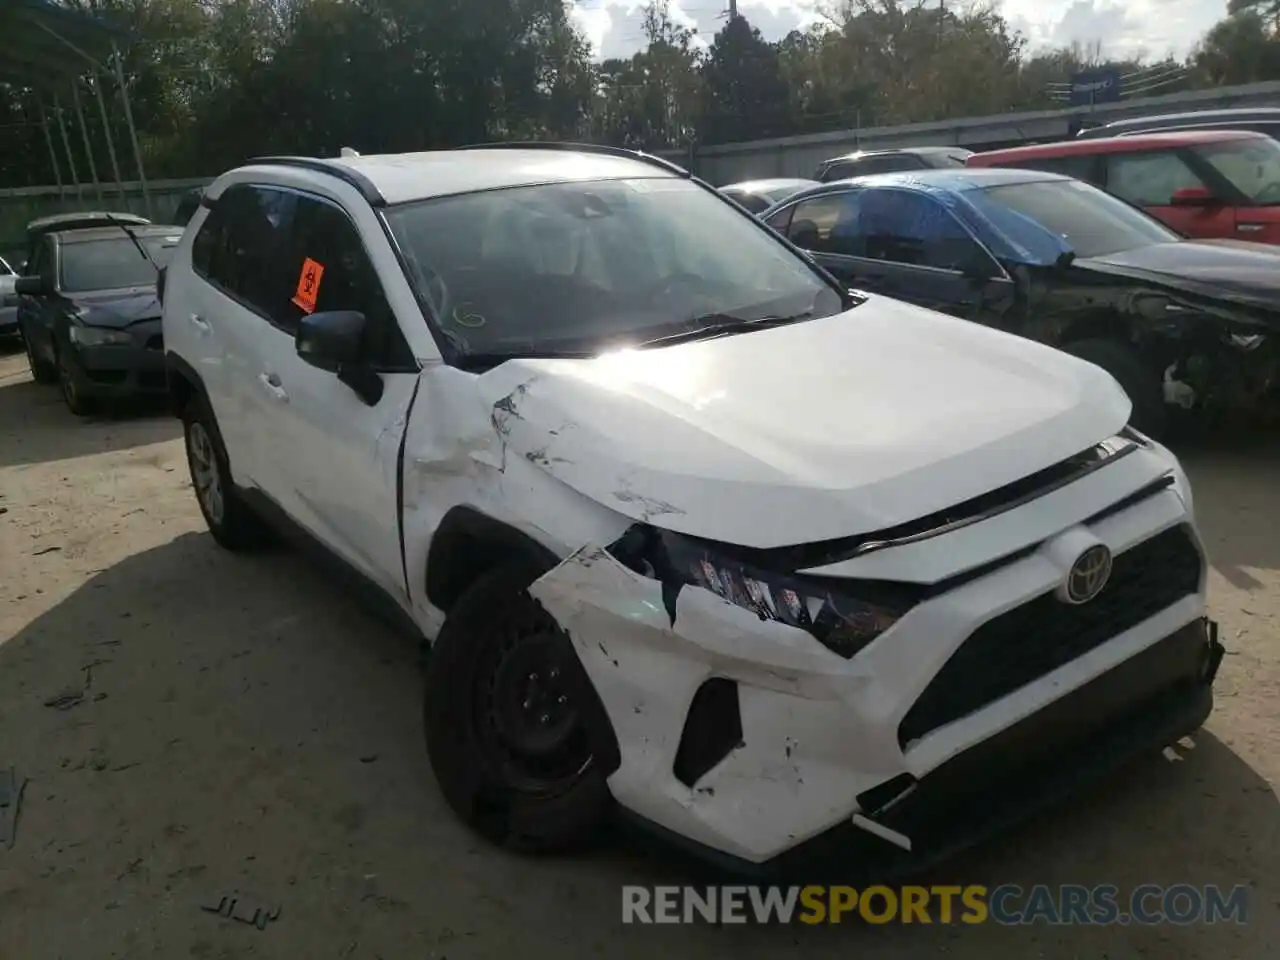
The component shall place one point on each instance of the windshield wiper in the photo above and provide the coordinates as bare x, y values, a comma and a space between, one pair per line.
713, 325
136, 242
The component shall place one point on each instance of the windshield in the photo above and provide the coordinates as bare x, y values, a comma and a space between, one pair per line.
1252, 166
113, 263
1094, 223
585, 266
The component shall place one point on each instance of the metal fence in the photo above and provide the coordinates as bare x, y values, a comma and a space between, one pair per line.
799, 156
20, 205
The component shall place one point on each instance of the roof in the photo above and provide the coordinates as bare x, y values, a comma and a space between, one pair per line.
955, 180
47, 44
405, 177
1142, 141
1238, 113
94, 234
764, 186
921, 151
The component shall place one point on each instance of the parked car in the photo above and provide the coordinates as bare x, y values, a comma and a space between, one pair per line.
1208, 185
1179, 323
8, 300
759, 195
89, 315
1258, 119
862, 163
690, 526
73, 221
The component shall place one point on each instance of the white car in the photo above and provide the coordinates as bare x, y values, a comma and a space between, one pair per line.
780, 569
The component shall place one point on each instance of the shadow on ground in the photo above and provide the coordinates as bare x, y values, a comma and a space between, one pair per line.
239, 724
36, 427
1235, 477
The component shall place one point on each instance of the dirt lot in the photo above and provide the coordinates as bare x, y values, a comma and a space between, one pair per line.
242, 726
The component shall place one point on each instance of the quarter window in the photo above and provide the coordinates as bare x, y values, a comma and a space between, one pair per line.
1081, 167
828, 224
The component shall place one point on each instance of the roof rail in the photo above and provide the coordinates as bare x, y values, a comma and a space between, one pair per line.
332, 167
570, 147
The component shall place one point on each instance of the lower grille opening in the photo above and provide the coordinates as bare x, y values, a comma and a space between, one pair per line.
712, 730
1042, 635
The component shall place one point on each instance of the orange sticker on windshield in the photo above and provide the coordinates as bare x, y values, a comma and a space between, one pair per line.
308, 286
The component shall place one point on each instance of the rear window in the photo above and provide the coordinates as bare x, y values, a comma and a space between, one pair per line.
113, 264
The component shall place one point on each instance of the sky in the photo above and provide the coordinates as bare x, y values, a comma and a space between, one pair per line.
1125, 27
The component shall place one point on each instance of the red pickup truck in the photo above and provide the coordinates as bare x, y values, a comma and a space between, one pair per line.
1206, 184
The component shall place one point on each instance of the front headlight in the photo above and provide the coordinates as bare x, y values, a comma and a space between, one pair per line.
843, 615
98, 337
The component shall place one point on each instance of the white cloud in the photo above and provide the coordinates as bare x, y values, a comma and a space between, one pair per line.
1154, 27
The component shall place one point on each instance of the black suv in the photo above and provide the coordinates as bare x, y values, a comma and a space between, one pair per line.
864, 162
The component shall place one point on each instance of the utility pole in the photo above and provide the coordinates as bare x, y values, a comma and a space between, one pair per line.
733, 9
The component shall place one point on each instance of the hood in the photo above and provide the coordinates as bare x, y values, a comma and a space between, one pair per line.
118, 308
1248, 273
812, 431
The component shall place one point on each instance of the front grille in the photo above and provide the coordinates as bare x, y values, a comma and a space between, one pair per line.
1040, 636
155, 342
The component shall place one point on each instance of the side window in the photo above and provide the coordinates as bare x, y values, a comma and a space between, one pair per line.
41, 261
1149, 179
904, 227
238, 245
328, 268
1080, 167
828, 224
841, 171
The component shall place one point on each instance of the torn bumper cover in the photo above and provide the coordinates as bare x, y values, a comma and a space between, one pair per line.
802, 769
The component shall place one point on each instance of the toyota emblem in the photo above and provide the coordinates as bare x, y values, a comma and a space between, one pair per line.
1088, 575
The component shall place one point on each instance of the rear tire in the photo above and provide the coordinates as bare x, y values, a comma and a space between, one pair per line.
1143, 387
508, 745
233, 524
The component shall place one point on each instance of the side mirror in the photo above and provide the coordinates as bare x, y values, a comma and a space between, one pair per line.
33, 286
332, 340
1193, 197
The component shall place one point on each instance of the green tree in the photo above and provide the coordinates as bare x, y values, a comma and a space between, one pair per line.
745, 96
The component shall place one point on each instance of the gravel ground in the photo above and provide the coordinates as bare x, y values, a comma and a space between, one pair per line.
242, 726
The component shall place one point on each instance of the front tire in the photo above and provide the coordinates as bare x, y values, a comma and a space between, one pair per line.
233, 525
42, 371
1142, 386
72, 394
505, 733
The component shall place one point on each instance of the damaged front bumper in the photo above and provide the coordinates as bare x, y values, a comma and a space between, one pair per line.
804, 757
1146, 703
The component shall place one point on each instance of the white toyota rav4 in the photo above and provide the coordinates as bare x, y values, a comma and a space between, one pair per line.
782, 570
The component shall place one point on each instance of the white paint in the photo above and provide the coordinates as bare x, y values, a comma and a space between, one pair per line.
817, 430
